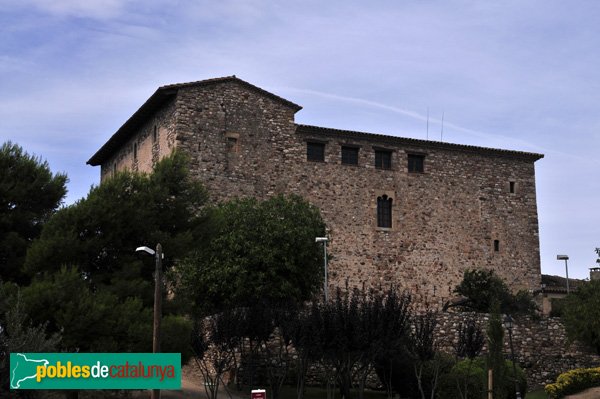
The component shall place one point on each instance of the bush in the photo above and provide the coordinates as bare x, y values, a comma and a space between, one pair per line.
468, 380
574, 381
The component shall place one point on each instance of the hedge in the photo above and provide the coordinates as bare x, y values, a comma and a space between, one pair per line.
574, 381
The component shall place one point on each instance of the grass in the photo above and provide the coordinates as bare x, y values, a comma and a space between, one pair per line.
537, 394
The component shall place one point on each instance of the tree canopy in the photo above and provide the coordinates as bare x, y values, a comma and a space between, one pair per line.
29, 194
86, 276
255, 251
581, 314
99, 233
483, 289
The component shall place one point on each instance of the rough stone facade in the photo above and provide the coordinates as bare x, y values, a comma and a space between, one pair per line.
470, 207
541, 346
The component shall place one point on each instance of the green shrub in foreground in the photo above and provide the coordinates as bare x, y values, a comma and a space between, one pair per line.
574, 381
468, 379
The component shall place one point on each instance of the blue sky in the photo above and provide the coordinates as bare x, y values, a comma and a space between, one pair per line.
521, 75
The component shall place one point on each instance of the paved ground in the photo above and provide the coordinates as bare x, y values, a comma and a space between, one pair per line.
191, 387
592, 393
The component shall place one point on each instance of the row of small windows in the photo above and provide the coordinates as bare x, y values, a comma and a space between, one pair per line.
383, 158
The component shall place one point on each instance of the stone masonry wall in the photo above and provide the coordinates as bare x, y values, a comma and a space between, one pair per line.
541, 346
150, 148
445, 220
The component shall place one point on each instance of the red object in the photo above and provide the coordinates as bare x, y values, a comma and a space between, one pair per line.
259, 394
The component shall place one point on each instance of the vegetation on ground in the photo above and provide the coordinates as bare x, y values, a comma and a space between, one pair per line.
581, 313
482, 289
574, 381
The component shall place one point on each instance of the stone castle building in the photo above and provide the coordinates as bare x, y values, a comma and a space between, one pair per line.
411, 212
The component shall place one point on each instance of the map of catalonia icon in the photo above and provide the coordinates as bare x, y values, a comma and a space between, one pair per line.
24, 368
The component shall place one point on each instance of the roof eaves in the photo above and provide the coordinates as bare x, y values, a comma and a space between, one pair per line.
157, 99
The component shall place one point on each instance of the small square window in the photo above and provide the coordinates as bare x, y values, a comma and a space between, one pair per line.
350, 155
315, 152
232, 144
416, 163
383, 159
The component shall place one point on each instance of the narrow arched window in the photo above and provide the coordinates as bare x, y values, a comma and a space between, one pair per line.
384, 211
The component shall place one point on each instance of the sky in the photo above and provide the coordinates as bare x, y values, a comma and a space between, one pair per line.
520, 75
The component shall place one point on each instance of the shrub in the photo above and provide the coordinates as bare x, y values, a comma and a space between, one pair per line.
574, 381
468, 380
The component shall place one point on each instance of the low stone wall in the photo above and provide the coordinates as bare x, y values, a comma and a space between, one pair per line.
541, 345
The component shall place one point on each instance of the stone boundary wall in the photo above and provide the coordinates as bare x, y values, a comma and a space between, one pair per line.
541, 346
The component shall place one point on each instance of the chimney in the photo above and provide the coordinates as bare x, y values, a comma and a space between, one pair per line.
594, 273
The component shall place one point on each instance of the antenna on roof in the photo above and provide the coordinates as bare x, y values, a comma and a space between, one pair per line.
427, 123
442, 132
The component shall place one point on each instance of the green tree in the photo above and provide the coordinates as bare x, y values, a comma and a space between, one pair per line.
483, 288
17, 334
581, 314
29, 194
87, 279
255, 252
99, 233
495, 358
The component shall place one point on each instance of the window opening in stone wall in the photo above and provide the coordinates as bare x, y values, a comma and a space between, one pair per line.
114, 169
155, 134
384, 211
416, 163
232, 144
349, 155
512, 187
134, 151
315, 152
496, 245
383, 159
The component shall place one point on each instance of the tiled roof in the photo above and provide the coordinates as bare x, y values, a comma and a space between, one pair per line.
322, 132
158, 99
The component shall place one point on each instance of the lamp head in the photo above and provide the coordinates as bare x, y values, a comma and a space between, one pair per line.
562, 257
321, 239
508, 322
148, 250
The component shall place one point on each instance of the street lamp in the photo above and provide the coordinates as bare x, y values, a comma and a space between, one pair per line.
158, 256
565, 258
508, 323
324, 241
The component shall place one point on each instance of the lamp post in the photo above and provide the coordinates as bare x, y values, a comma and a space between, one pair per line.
324, 241
158, 255
508, 323
565, 258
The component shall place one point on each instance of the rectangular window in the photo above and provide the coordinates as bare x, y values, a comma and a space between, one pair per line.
154, 135
496, 245
416, 163
512, 187
315, 152
383, 159
349, 155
